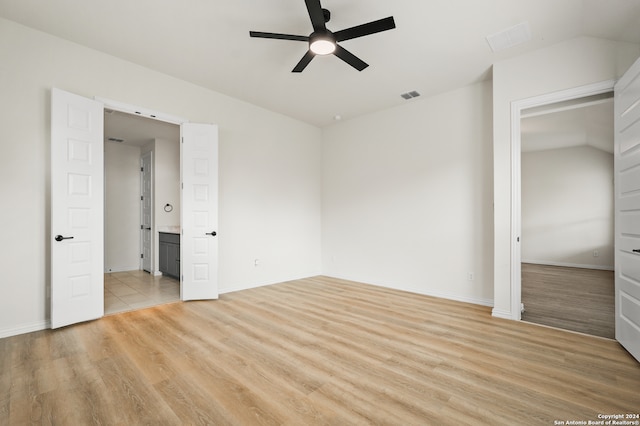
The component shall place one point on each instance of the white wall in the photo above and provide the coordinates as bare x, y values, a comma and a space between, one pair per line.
270, 173
407, 196
566, 65
122, 207
567, 207
166, 183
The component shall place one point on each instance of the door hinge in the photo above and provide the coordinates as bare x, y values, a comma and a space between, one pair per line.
141, 255
141, 198
142, 169
141, 226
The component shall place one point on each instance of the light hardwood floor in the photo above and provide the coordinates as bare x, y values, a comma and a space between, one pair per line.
311, 352
574, 299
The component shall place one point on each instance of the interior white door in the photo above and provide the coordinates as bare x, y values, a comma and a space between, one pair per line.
627, 202
146, 213
77, 175
199, 211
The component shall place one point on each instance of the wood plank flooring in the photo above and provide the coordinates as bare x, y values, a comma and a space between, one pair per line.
569, 298
317, 351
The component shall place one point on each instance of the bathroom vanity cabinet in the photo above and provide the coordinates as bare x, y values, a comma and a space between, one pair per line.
169, 246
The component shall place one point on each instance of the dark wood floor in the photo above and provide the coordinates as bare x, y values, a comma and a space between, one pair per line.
569, 298
317, 351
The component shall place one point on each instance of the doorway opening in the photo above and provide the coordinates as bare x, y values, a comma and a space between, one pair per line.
569, 100
567, 216
142, 169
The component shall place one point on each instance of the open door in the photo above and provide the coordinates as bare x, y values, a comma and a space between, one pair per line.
627, 209
77, 176
199, 211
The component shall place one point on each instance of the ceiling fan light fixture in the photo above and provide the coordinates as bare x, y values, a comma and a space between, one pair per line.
322, 43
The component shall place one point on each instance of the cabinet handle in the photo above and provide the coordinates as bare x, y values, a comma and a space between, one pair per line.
212, 233
60, 238
636, 250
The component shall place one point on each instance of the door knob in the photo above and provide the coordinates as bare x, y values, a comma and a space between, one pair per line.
212, 233
148, 229
60, 238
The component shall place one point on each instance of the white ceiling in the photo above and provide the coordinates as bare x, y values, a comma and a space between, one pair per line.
438, 45
136, 130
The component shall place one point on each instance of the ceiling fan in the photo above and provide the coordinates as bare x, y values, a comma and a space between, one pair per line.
324, 42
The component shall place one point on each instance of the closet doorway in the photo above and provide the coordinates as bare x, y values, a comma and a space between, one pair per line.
567, 215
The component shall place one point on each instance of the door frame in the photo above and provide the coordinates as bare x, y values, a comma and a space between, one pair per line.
516, 175
143, 112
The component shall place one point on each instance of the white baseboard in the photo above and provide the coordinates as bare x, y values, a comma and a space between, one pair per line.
24, 328
43, 325
441, 295
499, 313
121, 269
449, 296
249, 286
569, 265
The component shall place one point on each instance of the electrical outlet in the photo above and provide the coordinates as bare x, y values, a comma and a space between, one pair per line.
470, 276
596, 253
256, 262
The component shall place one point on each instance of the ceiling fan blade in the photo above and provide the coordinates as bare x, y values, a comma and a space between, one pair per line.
316, 14
260, 34
350, 58
304, 61
366, 29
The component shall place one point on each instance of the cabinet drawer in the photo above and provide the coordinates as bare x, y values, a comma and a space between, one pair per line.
166, 237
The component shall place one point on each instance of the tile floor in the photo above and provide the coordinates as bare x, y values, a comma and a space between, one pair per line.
131, 290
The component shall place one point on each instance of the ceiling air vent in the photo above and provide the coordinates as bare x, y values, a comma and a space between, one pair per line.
118, 140
510, 37
410, 95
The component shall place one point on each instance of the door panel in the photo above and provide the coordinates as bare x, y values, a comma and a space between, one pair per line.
199, 214
627, 198
627, 140
76, 209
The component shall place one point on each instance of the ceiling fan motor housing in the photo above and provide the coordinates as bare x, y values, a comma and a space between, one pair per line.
322, 42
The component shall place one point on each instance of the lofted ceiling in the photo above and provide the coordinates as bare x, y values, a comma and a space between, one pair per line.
438, 45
